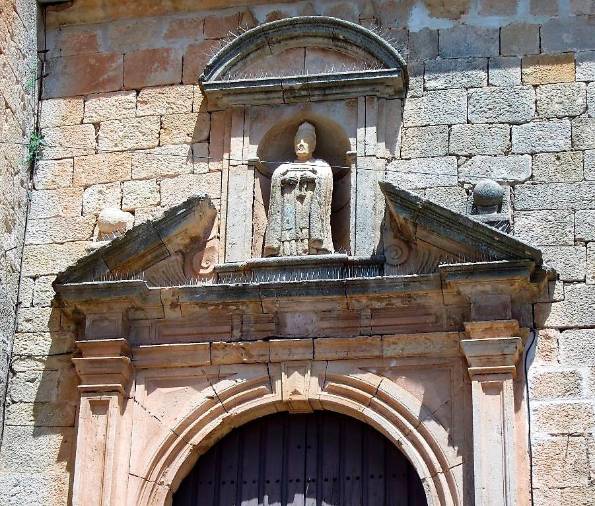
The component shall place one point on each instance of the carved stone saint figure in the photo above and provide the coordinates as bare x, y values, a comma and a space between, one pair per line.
300, 205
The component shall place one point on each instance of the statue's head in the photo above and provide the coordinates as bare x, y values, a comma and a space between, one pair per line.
305, 141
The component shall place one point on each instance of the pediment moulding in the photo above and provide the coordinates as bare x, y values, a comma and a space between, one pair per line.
301, 59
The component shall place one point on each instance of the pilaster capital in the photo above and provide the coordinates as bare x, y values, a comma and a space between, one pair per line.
104, 365
493, 347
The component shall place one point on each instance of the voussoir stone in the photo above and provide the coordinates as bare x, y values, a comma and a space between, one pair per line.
502, 105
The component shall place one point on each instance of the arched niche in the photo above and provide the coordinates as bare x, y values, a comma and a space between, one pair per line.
299, 59
290, 459
333, 146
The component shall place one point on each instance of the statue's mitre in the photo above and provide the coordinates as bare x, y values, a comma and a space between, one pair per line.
306, 131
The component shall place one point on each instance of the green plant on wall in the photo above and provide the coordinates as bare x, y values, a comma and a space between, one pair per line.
35, 147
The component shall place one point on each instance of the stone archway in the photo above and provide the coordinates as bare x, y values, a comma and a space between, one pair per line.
372, 399
295, 459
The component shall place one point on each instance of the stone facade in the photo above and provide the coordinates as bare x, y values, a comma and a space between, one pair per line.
496, 89
18, 101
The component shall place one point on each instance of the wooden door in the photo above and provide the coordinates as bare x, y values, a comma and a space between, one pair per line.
320, 459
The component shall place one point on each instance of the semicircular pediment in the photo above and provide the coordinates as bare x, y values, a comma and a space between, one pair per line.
302, 59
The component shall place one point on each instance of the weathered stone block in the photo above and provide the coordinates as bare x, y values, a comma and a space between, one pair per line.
189, 27
43, 343
497, 7
545, 227
505, 71
487, 139
546, 385
546, 350
44, 294
37, 319
101, 168
568, 34
465, 40
569, 261
560, 461
106, 106
519, 39
423, 44
590, 274
70, 76
558, 167
50, 203
555, 196
424, 141
196, 57
559, 100
133, 133
436, 108
546, 136
60, 112
576, 310
423, 172
165, 100
178, 189
46, 259
452, 197
185, 128
144, 193
577, 347
152, 67
198, 100
502, 105
564, 417
100, 196
589, 157
455, 73
583, 133
510, 168
591, 99
584, 225
218, 27
68, 141
546, 68
41, 414
52, 174
61, 229
162, 161
34, 386
200, 157
585, 66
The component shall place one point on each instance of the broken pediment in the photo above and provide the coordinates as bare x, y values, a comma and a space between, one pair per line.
178, 247
181, 249
420, 235
300, 59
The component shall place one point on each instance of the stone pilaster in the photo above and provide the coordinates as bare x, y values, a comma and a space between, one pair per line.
492, 351
102, 445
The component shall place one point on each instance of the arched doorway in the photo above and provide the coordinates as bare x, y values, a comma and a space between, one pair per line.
312, 460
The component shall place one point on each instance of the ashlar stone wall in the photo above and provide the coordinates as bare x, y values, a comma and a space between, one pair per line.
18, 93
498, 89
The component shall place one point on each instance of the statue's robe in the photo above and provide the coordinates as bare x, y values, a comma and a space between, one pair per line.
300, 210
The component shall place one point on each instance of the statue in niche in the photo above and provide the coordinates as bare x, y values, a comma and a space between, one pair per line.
300, 205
